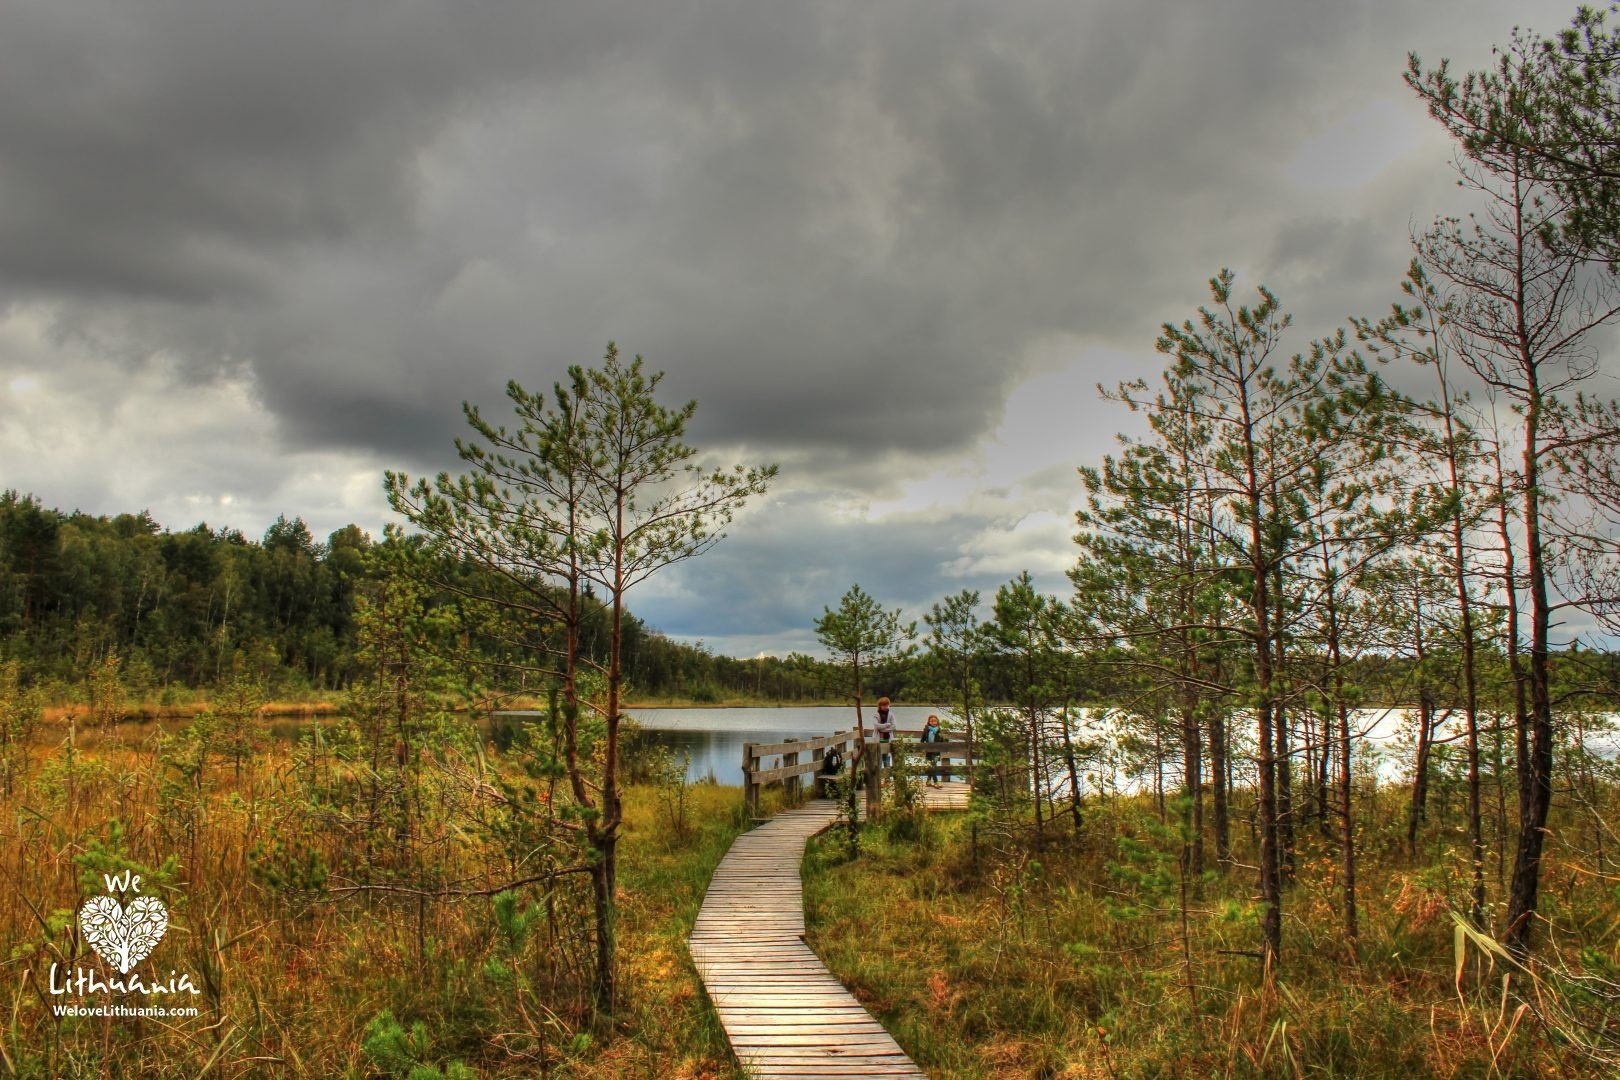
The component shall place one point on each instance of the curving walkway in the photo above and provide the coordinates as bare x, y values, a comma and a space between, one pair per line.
785, 1014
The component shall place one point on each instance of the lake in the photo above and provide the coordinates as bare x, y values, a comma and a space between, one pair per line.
714, 738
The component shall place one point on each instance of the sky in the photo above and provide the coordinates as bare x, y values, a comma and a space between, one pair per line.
254, 254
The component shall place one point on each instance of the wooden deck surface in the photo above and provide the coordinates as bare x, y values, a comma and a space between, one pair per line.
951, 795
785, 1014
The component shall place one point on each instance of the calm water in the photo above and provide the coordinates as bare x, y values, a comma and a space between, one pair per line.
713, 739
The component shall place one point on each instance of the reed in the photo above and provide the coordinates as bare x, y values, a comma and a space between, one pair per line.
1074, 961
296, 976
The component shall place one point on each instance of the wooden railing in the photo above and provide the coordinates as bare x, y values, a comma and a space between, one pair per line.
804, 757
795, 764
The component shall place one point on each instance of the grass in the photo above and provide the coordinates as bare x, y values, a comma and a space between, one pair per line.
177, 704
987, 960
296, 980
193, 706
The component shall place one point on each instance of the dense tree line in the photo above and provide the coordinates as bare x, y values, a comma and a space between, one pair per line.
180, 609
187, 610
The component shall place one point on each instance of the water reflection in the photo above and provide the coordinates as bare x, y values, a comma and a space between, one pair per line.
713, 739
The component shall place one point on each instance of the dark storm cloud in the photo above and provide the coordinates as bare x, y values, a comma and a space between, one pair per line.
185, 150
834, 224
850, 231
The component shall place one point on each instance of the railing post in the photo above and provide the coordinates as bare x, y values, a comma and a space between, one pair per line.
750, 766
871, 757
790, 785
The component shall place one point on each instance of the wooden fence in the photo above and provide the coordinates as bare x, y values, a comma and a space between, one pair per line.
804, 757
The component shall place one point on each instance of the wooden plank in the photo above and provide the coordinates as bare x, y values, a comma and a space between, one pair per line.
810, 1057
865, 1061
767, 1069
820, 742
857, 1030
830, 1070
852, 1042
771, 776
824, 1017
742, 997
953, 748
783, 1012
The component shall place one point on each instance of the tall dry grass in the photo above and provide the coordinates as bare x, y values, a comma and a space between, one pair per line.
988, 959
297, 977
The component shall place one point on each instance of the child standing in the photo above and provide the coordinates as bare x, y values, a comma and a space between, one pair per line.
931, 733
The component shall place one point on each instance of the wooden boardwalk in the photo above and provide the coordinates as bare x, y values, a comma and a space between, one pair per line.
785, 1014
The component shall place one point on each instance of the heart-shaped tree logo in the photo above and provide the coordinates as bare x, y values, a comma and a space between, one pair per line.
123, 936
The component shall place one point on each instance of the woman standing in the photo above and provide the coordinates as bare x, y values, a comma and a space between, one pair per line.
884, 726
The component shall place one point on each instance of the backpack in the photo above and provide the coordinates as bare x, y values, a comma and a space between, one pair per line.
832, 761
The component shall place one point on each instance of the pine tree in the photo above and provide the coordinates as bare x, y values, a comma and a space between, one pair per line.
595, 490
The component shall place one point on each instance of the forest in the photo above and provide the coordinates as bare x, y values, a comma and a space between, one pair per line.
184, 612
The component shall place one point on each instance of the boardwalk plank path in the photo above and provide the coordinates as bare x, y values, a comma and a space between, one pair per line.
785, 1014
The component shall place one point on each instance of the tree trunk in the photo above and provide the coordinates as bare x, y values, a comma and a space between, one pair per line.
1265, 703
1193, 785
1347, 841
1219, 786
1074, 772
1535, 764
602, 889
1352, 931
1465, 628
1323, 772
1418, 807
1035, 773
1284, 763
1158, 766
1266, 823
605, 833
1285, 796
1265, 715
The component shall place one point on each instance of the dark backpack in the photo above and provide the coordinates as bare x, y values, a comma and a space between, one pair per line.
832, 762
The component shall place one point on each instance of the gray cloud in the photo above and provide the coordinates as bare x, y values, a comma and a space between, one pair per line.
851, 232
784, 563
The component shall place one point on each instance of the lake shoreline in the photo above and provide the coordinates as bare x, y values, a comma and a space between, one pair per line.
146, 711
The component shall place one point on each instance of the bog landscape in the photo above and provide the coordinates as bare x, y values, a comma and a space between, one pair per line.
1305, 764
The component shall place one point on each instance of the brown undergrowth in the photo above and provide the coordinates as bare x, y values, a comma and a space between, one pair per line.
988, 959
296, 976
